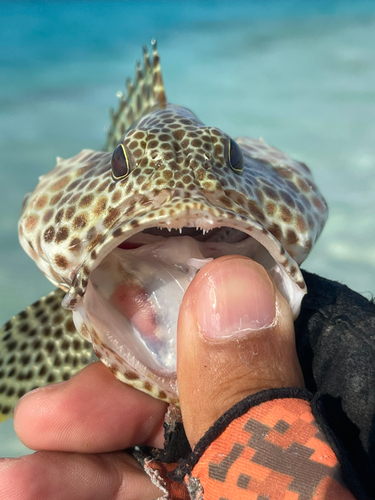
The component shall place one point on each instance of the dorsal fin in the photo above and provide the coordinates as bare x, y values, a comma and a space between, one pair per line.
146, 93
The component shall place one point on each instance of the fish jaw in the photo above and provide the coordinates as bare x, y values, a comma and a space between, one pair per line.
93, 316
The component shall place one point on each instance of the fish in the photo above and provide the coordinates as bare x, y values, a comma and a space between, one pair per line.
121, 233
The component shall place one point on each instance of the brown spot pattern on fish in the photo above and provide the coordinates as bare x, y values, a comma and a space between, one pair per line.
38, 345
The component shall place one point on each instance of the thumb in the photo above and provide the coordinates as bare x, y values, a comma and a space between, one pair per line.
235, 338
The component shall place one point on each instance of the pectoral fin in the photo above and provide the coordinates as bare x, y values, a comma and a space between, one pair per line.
39, 346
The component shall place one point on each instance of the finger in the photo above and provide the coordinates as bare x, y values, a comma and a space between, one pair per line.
58, 475
235, 338
92, 412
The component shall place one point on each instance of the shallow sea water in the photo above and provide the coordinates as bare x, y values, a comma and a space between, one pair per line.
300, 74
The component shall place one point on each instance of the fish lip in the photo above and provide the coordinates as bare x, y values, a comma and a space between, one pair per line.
201, 216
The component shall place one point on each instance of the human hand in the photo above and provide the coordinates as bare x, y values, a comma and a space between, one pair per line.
81, 424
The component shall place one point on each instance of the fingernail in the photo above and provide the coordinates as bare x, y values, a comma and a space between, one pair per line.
234, 297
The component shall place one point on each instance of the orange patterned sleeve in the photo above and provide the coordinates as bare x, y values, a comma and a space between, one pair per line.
272, 450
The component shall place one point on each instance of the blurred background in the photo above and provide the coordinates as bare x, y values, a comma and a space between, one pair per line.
299, 73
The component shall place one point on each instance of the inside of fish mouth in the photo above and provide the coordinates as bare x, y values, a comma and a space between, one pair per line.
133, 296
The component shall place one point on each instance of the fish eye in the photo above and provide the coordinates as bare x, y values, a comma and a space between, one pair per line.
121, 162
234, 156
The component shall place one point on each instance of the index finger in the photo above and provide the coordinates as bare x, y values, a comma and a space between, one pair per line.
93, 412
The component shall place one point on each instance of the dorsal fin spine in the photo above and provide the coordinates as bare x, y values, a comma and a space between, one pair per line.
157, 76
144, 95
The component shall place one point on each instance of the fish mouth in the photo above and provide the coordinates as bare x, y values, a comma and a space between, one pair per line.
129, 304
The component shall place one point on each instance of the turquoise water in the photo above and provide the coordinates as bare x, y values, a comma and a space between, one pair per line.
301, 74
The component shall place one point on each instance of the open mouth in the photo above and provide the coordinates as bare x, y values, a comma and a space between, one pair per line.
133, 296
135, 292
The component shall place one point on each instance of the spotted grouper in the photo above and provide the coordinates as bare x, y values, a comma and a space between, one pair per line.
122, 232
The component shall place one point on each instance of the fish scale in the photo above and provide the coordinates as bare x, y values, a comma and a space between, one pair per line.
162, 169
